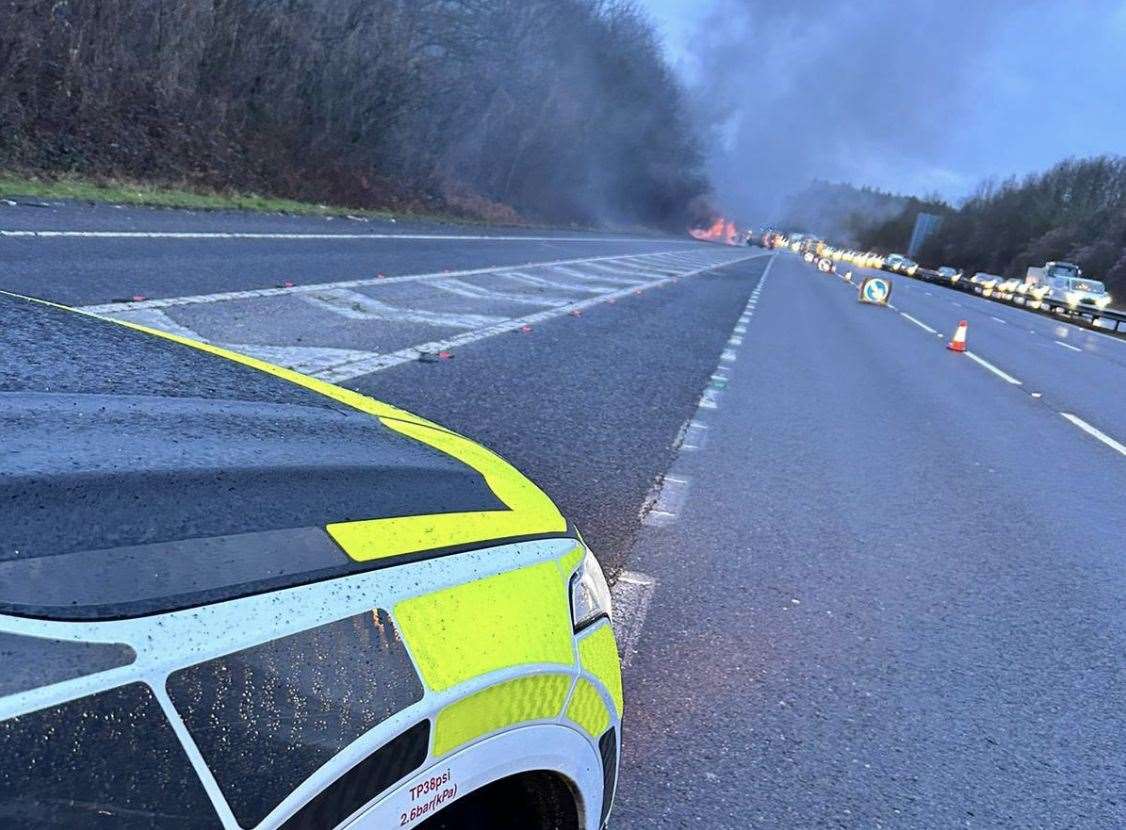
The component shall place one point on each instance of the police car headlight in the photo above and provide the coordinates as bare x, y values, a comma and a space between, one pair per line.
1103, 302
590, 595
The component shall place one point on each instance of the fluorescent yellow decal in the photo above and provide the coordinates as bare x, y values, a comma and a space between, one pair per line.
571, 561
599, 655
529, 511
511, 619
588, 710
537, 697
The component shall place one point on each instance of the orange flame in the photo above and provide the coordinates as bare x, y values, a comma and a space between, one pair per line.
721, 230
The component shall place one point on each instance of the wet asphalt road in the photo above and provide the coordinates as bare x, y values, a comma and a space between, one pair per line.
81, 270
892, 594
588, 406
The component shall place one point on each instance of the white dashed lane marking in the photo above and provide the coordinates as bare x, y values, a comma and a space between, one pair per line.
1003, 375
1068, 346
1095, 433
918, 323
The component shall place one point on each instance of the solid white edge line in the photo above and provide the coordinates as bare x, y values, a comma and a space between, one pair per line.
918, 323
1095, 433
1069, 346
1003, 375
44, 234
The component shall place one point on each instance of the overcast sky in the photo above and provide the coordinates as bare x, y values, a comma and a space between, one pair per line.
913, 96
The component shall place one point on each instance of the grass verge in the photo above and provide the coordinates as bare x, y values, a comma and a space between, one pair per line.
152, 195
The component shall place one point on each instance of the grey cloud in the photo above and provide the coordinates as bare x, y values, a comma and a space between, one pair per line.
913, 96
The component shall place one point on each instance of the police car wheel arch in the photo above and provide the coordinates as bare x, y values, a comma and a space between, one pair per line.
170, 643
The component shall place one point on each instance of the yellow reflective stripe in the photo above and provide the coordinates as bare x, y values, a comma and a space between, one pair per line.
588, 710
536, 697
498, 622
529, 511
598, 654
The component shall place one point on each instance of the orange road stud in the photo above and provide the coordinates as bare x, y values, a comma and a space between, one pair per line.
958, 344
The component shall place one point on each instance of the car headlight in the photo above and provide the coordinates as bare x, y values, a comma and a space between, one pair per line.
1072, 298
590, 595
1103, 302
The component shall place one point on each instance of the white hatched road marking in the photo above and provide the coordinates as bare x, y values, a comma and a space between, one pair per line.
307, 359
337, 364
1095, 433
480, 292
223, 296
357, 306
602, 280
605, 268
540, 282
377, 363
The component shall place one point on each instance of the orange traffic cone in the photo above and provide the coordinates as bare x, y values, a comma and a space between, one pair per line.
958, 344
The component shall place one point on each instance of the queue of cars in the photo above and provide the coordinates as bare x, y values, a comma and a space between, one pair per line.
1056, 285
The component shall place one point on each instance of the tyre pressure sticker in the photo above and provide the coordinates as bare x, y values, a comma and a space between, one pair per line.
427, 796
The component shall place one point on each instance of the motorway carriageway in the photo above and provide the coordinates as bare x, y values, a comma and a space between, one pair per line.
862, 581
887, 589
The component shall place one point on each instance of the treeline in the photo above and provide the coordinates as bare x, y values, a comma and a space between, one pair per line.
1075, 211
841, 212
560, 110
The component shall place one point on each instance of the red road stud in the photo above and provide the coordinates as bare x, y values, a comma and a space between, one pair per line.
958, 344
576, 312
286, 284
138, 298
525, 329
445, 355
